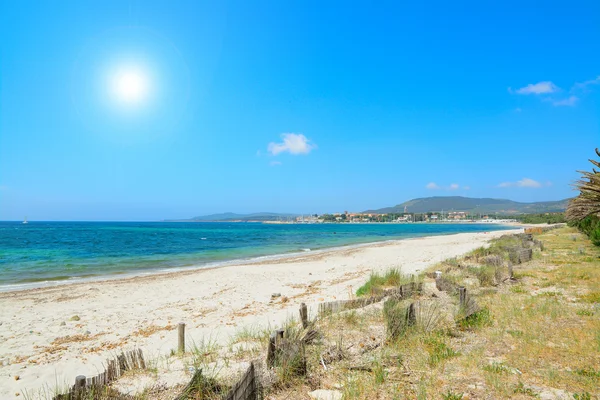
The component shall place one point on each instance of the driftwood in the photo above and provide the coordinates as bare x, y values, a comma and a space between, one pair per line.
309, 336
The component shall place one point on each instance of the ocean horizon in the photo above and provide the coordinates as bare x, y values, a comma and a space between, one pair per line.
41, 254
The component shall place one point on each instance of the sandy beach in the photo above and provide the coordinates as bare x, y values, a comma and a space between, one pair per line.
50, 335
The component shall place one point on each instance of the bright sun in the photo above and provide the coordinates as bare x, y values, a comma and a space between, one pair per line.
130, 85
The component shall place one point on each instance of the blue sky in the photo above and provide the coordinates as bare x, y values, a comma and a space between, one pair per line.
284, 106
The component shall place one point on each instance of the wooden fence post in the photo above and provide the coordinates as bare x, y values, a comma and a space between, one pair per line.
79, 387
462, 295
411, 316
181, 341
271, 349
304, 315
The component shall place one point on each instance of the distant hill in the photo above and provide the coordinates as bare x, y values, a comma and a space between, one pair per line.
229, 216
474, 205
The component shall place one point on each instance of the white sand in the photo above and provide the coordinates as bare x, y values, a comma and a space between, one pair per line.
212, 302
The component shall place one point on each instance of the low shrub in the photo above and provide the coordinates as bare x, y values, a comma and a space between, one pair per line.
378, 282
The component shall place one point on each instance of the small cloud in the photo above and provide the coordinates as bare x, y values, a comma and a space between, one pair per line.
274, 163
258, 153
432, 186
548, 183
467, 187
570, 101
584, 85
293, 143
525, 182
518, 110
454, 186
537, 88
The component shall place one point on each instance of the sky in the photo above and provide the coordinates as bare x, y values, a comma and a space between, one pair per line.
147, 110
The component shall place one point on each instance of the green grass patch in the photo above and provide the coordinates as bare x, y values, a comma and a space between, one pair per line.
582, 396
522, 389
438, 351
592, 297
496, 368
485, 274
449, 395
518, 289
515, 333
378, 282
480, 319
588, 372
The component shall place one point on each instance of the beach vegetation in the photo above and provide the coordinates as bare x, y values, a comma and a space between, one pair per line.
449, 395
584, 210
378, 282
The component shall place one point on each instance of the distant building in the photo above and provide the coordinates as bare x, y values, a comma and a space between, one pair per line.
457, 215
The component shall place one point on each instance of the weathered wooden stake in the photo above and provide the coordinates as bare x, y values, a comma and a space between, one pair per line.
181, 341
79, 387
411, 316
462, 295
304, 315
271, 349
280, 333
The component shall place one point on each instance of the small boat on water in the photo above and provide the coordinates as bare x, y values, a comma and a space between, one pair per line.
25, 221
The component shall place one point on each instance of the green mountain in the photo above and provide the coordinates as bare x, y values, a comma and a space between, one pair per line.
230, 217
474, 205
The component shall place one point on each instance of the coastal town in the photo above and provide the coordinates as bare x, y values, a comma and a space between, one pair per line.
406, 217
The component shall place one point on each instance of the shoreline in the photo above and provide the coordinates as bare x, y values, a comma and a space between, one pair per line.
27, 286
50, 335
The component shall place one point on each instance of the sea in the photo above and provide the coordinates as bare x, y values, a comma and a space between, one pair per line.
50, 253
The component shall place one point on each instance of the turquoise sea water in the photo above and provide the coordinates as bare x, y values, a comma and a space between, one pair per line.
42, 253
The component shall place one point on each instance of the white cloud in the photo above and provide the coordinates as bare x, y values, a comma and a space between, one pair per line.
537, 88
570, 101
432, 186
584, 85
525, 182
274, 163
293, 143
454, 186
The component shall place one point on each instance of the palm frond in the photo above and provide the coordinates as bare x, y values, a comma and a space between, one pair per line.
588, 201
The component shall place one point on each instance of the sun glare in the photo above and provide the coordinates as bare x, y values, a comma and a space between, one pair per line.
130, 85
